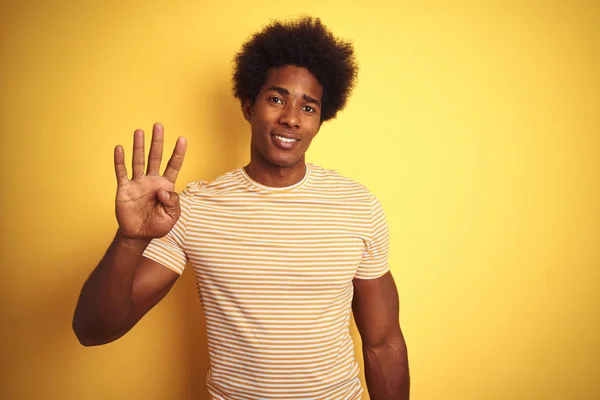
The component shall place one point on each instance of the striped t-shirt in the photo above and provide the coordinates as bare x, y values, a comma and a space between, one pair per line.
274, 268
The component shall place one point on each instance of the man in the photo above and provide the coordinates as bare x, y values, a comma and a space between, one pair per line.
283, 250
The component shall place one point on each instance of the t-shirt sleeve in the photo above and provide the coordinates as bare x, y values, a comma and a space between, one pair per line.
169, 250
374, 263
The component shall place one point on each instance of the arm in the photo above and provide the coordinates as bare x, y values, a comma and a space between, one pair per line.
375, 307
119, 292
125, 285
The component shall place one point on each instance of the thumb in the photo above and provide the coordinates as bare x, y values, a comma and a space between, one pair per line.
169, 200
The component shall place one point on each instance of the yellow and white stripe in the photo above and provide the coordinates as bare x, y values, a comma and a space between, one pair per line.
274, 268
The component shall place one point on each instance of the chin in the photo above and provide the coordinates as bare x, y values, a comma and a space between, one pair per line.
283, 163
281, 160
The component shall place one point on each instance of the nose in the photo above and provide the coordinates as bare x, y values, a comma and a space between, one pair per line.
290, 116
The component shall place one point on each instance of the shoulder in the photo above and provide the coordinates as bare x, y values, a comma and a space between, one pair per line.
330, 180
225, 183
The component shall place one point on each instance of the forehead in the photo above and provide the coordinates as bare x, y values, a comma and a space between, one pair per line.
297, 80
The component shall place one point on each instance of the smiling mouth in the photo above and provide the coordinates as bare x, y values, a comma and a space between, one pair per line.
285, 139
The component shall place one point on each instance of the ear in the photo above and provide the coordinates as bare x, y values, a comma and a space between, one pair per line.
247, 109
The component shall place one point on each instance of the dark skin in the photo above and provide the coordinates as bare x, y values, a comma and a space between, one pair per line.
375, 307
288, 104
284, 118
125, 285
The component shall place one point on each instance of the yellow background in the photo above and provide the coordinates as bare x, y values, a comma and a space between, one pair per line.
477, 124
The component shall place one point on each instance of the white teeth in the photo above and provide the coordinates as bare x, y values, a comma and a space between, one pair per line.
286, 140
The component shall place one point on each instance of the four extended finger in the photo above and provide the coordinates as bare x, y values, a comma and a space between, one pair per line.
138, 154
156, 150
176, 160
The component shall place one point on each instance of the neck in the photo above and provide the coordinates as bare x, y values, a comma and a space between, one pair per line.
276, 176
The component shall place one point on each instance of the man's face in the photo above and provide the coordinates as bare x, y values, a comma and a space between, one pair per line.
285, 117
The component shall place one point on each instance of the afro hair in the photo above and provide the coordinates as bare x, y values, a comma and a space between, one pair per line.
306, 43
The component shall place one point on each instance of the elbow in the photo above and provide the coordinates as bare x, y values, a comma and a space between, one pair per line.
88, 340
82, 336
391, 339
83, 339
87, 337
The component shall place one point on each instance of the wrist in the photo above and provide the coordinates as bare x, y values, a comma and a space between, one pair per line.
129, 242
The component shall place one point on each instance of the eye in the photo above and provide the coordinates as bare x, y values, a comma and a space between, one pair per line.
309, 109
275, 100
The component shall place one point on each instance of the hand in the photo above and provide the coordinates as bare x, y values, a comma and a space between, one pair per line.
147, 206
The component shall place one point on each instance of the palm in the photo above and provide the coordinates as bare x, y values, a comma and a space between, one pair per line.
141, 208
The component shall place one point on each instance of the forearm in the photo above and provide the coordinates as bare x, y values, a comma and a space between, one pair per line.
386, 370
105, 302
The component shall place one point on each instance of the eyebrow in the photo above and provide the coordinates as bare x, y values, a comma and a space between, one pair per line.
285, 92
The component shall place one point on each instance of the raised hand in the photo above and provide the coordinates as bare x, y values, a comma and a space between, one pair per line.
146, 205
